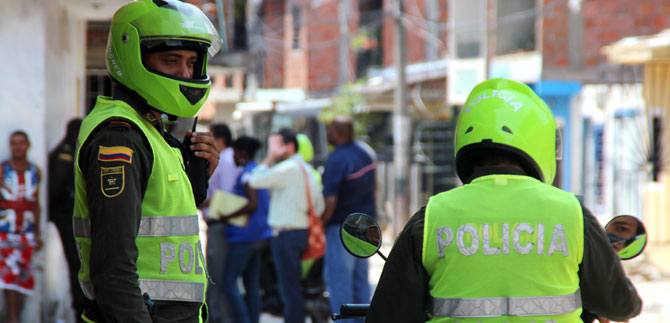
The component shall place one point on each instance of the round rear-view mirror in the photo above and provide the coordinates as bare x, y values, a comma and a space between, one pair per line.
361, 235
627, 236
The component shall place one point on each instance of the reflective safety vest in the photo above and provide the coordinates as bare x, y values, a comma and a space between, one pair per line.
170, 263
504, 248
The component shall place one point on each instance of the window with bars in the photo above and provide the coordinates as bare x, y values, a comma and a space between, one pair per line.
97, 83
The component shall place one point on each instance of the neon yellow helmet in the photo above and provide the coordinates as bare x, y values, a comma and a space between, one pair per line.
150, 26
507, 116
305, 147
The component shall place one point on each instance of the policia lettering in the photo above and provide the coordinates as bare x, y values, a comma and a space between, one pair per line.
186, 251
468, 239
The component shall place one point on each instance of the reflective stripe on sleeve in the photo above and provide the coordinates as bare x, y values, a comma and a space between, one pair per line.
166, 290
81, 227
506, 306
87, 288
155, 226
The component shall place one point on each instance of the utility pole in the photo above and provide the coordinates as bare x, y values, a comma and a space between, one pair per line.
401, 126
343, 12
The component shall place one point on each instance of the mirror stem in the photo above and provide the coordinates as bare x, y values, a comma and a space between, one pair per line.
381, 255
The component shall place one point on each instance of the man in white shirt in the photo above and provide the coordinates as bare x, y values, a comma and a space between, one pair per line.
223, 178
281, 173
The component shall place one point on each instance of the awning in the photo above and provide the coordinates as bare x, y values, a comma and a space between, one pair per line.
639, 49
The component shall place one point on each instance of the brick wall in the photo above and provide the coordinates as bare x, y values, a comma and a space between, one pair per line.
273, 32
605, 21
323, 44
295, 59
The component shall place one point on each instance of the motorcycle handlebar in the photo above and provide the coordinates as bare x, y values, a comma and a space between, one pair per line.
348, 311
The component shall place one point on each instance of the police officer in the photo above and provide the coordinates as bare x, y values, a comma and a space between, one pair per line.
135, 219
61, 204
506, 246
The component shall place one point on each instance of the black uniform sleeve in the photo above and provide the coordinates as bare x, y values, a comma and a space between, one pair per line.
115, 189
61, 182
402, 292
605, 289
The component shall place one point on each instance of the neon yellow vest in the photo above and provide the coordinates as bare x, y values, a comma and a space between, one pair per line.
170, 263
504, 248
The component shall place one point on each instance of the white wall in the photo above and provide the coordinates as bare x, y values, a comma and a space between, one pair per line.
65, 70
22, 87
42, 62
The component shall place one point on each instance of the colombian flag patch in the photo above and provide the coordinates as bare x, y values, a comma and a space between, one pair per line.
113, 154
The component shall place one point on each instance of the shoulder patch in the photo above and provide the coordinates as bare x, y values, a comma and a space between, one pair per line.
112, 180
117, 153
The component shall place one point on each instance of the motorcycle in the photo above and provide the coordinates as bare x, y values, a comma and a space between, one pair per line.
361, 236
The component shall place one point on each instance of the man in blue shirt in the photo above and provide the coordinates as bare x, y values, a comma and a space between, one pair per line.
348, 187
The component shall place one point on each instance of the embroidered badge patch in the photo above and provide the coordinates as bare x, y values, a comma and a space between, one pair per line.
118, 153
112, 180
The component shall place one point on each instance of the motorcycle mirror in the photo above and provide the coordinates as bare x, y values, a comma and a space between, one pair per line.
360, 234
627, 236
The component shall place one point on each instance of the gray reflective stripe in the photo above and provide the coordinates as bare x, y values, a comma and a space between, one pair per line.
167, 290
506, 306
82, 227
164, 226
155, 226
161, 290
87, 288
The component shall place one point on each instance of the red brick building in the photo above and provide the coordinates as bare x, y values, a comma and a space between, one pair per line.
302, 40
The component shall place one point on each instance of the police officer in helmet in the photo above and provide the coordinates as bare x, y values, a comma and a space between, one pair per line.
135, 218
507, 246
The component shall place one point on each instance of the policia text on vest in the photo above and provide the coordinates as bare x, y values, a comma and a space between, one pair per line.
494, 239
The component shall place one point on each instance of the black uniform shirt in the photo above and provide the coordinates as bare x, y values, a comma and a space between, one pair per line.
61, 183
402, 294
114, 225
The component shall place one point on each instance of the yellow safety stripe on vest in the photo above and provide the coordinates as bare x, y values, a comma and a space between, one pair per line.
155, 226
167, 290
506, 306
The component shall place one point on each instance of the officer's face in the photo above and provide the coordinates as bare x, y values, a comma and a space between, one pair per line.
178, 63
18, 145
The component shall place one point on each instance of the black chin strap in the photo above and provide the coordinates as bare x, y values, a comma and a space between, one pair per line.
137, 102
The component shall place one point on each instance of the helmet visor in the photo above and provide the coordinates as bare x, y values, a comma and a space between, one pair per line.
175, 20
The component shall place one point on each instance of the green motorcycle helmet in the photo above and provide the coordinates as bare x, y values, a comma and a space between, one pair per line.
147, 26
305, 147
506, 117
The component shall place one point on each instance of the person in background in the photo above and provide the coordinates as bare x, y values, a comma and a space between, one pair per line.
223, 179
283, 171
348, 187
19, 223
61, 206
245, 243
